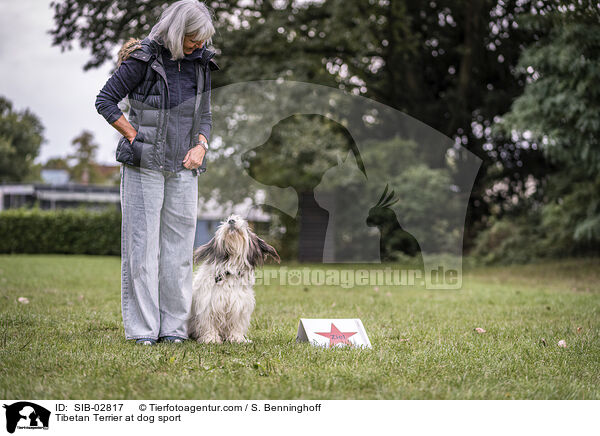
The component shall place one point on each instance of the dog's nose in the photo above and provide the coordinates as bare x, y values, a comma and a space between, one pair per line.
231, 221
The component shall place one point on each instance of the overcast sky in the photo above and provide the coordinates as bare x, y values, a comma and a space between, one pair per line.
51, 84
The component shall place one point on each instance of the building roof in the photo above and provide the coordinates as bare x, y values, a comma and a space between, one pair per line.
209, 210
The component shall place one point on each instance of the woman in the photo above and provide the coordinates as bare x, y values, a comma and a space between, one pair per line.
167, 79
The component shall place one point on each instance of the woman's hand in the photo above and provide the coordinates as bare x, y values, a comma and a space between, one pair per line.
125, 129
194, 157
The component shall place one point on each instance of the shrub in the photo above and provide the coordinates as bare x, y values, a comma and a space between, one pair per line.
508, 241
67, 231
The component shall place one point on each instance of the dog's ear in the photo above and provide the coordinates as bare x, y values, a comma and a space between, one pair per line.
205, 251
211, 252
259, 250
268, 250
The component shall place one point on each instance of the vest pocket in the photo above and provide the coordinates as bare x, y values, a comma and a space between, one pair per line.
130, 152
136, 150
124, 153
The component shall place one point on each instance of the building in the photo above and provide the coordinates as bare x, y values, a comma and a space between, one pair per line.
50, 197
52, 176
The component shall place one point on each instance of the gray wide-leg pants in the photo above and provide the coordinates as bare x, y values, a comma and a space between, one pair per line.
159, 213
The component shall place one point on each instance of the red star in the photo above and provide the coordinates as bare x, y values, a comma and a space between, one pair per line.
337, 337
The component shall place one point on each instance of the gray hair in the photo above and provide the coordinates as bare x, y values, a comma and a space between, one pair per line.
184, 17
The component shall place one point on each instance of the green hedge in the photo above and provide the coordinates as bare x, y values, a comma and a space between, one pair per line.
68, 231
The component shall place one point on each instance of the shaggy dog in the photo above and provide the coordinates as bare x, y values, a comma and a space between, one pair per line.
223, 294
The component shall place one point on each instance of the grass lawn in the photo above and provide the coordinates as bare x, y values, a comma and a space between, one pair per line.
68, 342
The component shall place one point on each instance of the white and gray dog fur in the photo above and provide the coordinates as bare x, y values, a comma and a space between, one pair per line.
223, 294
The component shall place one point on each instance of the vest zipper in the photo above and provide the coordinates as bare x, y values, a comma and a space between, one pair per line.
166, 115
177, 145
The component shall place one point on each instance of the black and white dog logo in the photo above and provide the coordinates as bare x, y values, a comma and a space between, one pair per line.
25, 415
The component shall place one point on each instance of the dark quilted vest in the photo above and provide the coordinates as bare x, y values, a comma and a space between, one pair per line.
149, 113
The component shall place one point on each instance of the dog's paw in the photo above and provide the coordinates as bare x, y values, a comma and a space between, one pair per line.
239, 340
210, 340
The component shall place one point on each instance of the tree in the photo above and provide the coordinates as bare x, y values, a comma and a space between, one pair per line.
559, 110
57, 163
559, 113
300, 150
20, 141
449, 64
84, 168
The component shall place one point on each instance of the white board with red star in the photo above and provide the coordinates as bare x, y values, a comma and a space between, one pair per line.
333, 332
